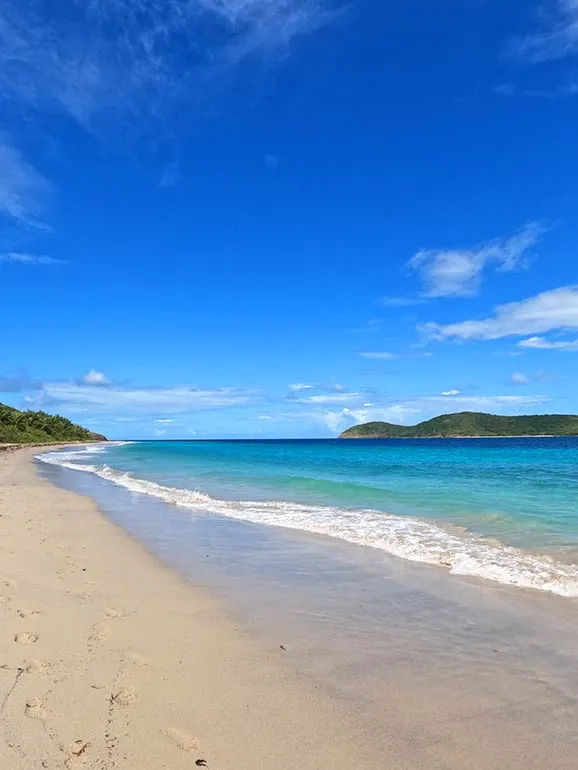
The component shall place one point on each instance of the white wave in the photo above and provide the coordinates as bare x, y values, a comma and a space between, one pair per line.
405, 537
59, 457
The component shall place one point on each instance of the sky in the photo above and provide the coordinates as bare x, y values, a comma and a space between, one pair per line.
279, 218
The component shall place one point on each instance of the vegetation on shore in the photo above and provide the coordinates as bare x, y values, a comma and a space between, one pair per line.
465, 424
30, 427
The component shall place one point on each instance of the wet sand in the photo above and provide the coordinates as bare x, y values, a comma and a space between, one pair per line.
126, 665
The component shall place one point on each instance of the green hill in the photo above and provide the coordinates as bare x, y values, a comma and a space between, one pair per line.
29, 427
471, 424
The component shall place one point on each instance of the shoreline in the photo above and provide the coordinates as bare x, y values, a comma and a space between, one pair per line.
413, 538
46, 445
110, 659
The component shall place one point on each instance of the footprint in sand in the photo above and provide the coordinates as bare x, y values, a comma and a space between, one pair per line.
36, 666
75, 750
184, 741
112, 613
124, 697
35, 709
27, 613
26, 637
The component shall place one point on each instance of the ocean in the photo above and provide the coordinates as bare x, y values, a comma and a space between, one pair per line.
500, 510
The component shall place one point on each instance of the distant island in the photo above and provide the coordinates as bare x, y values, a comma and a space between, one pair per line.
30, 427
471, 424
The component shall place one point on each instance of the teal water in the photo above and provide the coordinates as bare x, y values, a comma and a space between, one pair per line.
502, 509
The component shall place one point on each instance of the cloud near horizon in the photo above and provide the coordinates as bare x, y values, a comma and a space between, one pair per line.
404, 411
136, 400
106, 406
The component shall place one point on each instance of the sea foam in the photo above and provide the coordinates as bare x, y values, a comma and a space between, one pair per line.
402, 536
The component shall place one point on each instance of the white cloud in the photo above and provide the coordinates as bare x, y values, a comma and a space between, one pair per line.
302, 386
540, 343
126, 55
164, 422
379, 356
557, 37
329, 398
95, 378
519, 378
334, 421
458, 272
563, 91
20, 258
481, 403
416, 409
400, 411
402, 301
135, 400
548, 311
23, 191
397, 413
450, 393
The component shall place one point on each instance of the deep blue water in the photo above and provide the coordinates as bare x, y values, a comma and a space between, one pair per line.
460, 503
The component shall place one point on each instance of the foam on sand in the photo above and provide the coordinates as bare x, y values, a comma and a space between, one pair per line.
402, 536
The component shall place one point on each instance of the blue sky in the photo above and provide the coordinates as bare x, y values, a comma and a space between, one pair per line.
281, 217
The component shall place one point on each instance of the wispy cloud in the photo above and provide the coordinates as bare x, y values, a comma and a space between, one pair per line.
565, 91
23, 190
20, 258
379, 356
329, 398
540, 343
18, 383
298, 386
402, 301
105, 57
551, 310
458, 272
139, 400
556, 37
451, 393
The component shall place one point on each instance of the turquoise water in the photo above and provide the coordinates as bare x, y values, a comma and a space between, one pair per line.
502, 509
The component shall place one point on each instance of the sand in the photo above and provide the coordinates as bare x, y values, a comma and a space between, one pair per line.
109, 660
